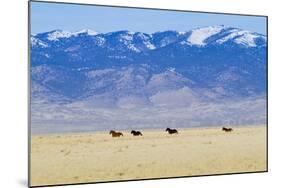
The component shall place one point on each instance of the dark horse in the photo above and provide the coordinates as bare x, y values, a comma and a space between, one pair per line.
136, 133
172, 131
115, 134
227, 129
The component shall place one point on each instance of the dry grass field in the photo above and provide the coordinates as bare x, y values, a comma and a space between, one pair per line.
97, 157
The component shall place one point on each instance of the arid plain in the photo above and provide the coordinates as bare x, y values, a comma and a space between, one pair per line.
97, 157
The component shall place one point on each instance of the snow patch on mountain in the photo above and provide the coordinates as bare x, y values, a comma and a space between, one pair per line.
146, 40
198, 36
37, 42
126, 37
232, 34
247, 39
85, 31
243, 37
57, 34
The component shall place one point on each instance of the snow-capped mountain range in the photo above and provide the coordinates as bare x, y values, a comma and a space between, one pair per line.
210, 57
216, 34
131, 70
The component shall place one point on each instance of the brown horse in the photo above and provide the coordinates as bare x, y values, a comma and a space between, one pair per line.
115, 134
136, 133
172, 131
227, 129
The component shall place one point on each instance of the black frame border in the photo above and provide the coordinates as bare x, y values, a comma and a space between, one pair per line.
143, 8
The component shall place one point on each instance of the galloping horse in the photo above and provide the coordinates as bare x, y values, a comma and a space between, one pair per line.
227, 129
115, 134
136, 133
172, 131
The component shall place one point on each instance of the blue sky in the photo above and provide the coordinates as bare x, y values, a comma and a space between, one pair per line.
50, 16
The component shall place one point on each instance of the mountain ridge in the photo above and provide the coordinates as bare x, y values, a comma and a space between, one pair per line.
208, 76
226, 61
199, 34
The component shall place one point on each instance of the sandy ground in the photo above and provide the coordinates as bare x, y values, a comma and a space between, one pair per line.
97, 157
